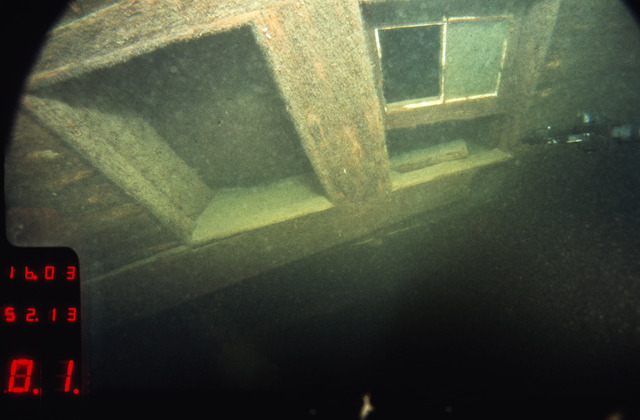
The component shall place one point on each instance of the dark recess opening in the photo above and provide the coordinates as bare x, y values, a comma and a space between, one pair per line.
410, 59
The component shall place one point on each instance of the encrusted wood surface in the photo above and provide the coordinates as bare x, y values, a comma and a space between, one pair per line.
421, 158
131, 154
223, 263
536, 29
130, 28
319, 58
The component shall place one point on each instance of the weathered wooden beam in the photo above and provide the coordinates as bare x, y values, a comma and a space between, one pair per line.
219, 264
536, 27
445, 169
230, 260
421, 158
132, 154
460, 110
130, 28
318, 55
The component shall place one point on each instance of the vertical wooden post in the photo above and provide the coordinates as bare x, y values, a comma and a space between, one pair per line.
536, 29
317, 51
130, 153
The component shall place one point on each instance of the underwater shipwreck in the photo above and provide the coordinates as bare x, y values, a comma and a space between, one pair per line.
218, 134
433, 195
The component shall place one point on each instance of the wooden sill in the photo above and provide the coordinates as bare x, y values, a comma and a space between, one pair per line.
236, 210
430, 173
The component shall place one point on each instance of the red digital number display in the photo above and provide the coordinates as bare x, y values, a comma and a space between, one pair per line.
30, 315
20, 376
69, 366
48, 272
22, 373
71, 273
40, 315
9, 314
29, 274
72, 314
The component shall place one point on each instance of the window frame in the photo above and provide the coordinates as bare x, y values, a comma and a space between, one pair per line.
418, 103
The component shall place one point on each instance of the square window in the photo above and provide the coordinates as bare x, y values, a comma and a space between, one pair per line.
459, 58
411, 61
474, 55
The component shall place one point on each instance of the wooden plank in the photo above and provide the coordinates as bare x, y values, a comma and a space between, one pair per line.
444, 169
235, 210
129, 28
417, 159
43, 172
461, 110
222, 263
130, 153
318, 54
537, 26
225, 262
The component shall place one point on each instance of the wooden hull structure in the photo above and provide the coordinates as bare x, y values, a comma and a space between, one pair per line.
117, 178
